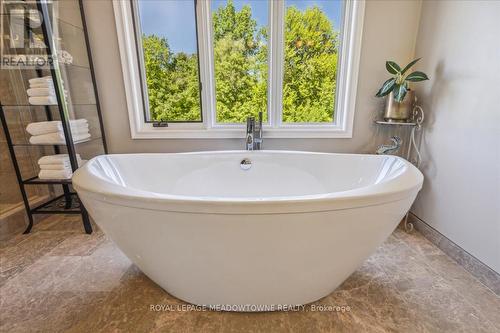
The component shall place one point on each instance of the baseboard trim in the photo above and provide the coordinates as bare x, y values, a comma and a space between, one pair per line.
480, 270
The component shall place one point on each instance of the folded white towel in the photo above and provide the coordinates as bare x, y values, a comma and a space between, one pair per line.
75, 130
78, 130
42, 82
56, 138
49, 85
39, 92
38, 80
44, 127
57, 159
55, 174
43, 100
64, 166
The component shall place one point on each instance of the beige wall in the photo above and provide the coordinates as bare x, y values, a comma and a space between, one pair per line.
460, 43
400, 18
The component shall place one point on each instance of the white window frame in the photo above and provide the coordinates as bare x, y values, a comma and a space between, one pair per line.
347, 79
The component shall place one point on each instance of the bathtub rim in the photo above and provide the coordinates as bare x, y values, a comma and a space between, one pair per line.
405, 185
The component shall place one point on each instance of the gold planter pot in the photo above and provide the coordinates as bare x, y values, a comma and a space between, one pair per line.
399, 112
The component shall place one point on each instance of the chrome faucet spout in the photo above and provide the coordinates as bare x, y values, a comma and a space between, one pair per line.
392, 148
250, 133
253, 138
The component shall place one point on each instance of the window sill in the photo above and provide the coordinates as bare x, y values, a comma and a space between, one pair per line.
329, 132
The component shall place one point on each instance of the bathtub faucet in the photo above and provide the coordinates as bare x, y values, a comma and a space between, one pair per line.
253, 137
387, 149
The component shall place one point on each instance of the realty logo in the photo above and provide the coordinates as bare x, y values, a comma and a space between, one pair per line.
22, 37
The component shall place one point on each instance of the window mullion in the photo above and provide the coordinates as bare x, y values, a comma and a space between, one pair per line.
271, 93
204, 27
276, 57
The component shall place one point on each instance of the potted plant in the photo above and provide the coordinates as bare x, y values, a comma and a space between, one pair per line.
400, 98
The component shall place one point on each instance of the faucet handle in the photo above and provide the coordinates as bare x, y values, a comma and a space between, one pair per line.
396, 140
250, 124
258, 139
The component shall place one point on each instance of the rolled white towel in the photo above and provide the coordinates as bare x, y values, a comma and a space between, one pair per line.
39, 92
55, 174
40, 80
57, 159
43, 100
45, 127
63, 166
56, 138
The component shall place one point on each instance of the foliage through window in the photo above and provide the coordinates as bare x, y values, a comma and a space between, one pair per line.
243, 51
311, 46
240, 59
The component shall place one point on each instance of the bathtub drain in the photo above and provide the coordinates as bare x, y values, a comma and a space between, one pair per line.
245, 164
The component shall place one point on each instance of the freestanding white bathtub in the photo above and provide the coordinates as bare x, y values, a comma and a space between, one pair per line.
286, 231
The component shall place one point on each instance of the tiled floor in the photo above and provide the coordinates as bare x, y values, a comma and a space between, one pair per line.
59, 279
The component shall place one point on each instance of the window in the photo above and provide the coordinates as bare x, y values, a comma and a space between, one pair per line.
205, 66
240, 47
311, 48
168, 60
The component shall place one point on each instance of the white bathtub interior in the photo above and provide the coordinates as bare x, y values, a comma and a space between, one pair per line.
282, 175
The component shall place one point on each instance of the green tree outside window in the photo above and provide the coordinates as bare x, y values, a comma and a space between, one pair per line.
241, 69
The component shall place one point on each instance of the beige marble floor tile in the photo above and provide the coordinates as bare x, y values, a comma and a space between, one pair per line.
16, 258
253, 322
126, 308
13, 241
63, 223
46, 312
433, 300
189, 322
464, 283
79, 244
72, 273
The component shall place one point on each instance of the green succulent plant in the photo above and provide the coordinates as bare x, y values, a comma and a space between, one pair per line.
399, 82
